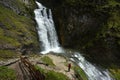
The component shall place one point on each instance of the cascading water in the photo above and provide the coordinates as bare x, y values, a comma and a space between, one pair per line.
49, 40
91, 71
46, 30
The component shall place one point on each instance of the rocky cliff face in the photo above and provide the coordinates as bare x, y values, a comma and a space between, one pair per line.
17, 27
91, 26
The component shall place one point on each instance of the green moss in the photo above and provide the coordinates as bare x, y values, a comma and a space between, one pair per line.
115, 72
6, 54
40, 69
9, 40
47, 60
1, 31
7, 74
114, 24
16, 29
113, 2
52, 75
80, 73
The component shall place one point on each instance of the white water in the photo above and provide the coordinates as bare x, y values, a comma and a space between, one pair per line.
46, 30
49, 41
91, 71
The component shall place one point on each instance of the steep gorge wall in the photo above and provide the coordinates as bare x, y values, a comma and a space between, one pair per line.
92, 26
17, 27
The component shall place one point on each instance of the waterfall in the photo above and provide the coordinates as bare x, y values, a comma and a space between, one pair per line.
46, 30
49, 42
91, 71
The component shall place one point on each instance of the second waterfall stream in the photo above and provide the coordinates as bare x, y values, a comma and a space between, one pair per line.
49, 42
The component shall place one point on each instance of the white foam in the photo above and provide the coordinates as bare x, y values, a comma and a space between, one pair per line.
91, 71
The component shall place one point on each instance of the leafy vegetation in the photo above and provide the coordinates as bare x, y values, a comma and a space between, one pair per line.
47, 60
7, 74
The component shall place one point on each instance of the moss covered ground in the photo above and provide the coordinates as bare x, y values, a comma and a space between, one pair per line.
47, 60
52, 75
7, 74
80, 74
8, 54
